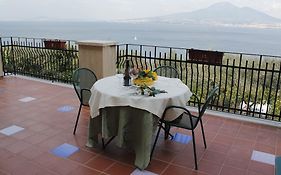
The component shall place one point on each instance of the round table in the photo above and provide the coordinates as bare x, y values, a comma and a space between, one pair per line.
121, 111
110, 92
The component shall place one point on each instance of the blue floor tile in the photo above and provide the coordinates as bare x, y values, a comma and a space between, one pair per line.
263, 157
142, 172
182, 138
11, 130
65, 108
64, 150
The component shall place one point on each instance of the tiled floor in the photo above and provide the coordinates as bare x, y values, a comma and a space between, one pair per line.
48, 121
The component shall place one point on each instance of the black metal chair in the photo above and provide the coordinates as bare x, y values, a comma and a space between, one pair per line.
187, 120
167, 71
83, 79
170, 72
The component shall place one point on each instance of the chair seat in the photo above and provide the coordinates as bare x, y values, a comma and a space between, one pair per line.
183, 121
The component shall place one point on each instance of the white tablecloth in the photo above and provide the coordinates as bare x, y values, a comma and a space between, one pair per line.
110, 92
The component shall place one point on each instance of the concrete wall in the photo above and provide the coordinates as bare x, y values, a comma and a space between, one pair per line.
99, 56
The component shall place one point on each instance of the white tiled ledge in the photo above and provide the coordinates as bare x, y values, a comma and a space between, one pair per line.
41, 80
238, 117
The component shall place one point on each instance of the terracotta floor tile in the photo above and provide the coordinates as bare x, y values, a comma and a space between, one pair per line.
29, 168
215, 157
261, 168
36, 138
46, 159
215, 121
119, 168
51, 131
185, 160
3, 173
81, 141
232, 132
5, 154
247, 133
237, 152
219, 147
244, 143
237, 163
63, 166
7, 141
229, 142
210, 136
265, 148
51, 143
27, 122
254, 173
18, 146
227, 170
172, 169
232, 124
81, 170
267, 138
170, 145
209, 167
12, 163
267, 128
251, 125
157, 166
82, 156
194, 172
37, 127
23, 134
32, 152
163, 154
211, 128
100, 163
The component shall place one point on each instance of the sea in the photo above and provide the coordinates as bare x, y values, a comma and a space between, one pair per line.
197, 36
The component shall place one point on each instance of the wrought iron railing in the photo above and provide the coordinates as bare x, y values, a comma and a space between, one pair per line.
53, 60
249, 84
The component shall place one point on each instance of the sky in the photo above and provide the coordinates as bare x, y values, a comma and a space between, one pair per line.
91, 10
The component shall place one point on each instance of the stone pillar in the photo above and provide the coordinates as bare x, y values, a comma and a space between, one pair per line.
99, 56
1, 63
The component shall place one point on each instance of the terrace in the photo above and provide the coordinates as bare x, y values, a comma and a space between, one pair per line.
47, 111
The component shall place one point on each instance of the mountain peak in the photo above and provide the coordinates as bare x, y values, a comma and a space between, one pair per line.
223, 4
222, 13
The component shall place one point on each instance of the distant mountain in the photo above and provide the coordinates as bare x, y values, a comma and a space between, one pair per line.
222, 13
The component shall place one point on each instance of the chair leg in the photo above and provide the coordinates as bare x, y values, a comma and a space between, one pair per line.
156, 138
77, 118
194, 150
104, 144
203, 133
167, 131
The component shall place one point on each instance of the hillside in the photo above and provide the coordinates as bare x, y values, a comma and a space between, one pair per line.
222, 13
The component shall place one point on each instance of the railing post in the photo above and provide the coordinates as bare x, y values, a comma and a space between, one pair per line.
99, 56
13, 56
1, 61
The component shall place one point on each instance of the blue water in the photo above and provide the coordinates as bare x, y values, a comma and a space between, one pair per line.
249, 40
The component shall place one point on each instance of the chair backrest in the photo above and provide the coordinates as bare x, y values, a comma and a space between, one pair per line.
83, 79
211, 96
167, 71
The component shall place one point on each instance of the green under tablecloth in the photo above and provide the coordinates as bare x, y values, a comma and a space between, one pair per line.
132, 127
